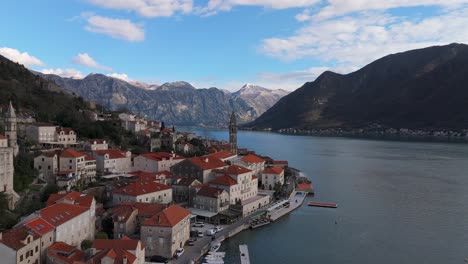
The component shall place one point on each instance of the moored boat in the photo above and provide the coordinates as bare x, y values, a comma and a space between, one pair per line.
319, 204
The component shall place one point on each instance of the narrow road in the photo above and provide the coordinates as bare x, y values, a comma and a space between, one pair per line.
193, 252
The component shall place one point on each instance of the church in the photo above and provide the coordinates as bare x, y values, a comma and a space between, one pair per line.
8, 150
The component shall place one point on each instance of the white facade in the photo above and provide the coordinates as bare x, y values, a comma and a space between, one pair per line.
142, 195
113, 161
96, 144
152, 163
47, 165
41, 133
65, 136
7, 171
271, 177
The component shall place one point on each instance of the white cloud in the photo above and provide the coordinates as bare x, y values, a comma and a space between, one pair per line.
214, 6
116, 28
68, 73
20, 57
343, 7
121, 76
356, 40
148, 8
84, 59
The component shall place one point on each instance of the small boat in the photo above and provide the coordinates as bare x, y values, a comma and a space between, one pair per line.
215, 246
319, 204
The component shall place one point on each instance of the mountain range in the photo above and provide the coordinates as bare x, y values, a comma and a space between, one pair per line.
418, 89
174, 103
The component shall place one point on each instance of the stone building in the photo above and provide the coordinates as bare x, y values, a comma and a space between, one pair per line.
233, 134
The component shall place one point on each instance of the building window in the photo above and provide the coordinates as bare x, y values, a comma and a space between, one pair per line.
37, 248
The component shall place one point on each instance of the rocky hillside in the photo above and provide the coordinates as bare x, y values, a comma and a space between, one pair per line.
424, 88
261, 99
175, 103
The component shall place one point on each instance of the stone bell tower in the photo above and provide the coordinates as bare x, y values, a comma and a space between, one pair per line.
233, 133
10, 129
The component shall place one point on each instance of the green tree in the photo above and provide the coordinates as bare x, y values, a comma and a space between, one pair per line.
48, 190
86, 244
108, 227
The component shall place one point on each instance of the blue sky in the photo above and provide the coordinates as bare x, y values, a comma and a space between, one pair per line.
222, 43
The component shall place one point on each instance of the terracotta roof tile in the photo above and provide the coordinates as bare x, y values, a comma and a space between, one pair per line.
125, 243
223, 154
71, 153
251, 158
158, 156
65, 253
169, 217
2, 137
273, 170
142, 187
113, 153
280, 162
207, 163
233, 169
209, 191
224, 180
40, 226
60, 213
186, 181
13, 238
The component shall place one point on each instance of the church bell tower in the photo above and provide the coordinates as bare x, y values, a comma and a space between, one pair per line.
233, 134
10, 129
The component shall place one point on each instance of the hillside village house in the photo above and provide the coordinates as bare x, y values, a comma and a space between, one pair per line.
79, 163
272, 176
65, 136
7, 171
41, 132
144, 192
46, 233
185, 189
156, 161
113, 161
197, 167
62, 253
167, 231
47, 163
118, 251
20, 245
164, 177
96, 144
210, 199
128, 217
252, 162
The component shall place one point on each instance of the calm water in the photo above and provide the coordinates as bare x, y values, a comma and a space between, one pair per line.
399, 202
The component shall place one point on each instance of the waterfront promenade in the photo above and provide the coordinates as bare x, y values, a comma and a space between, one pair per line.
297, 198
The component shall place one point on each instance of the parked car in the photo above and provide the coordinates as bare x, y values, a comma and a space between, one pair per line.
218, 228
200, 233
191, 241
159, 259
194, 233
198, 224
210, 232
179, 252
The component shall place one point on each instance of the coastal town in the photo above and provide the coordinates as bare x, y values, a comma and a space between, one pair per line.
174, 199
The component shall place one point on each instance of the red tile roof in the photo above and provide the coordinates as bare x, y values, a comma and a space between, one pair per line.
117, 255
169, 217
142, 187
186, 181
71, 153
146, 209
65, 253
251, 158
158, 156
223, 154
233, 169
165, 173
223, 180
273, 170
67, 130
209, 191
97, 141
39, 226
13, 238
76, 198
122, 213
254, 177
124, 243
60, 213
113, 153
50, 154
207, 163
3, 137
89, 157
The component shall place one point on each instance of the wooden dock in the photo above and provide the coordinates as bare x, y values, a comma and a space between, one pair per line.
326, 205
244, 254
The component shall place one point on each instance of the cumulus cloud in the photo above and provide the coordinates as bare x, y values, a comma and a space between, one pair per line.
115, 28
20, 57
84, 59
214, 6
121, 76
68, 73
148, 8
359, 39
343, 7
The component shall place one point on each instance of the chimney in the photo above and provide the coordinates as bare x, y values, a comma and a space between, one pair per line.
206, 160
